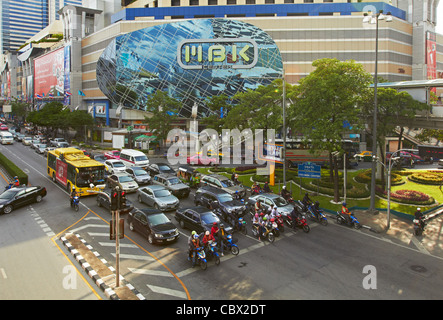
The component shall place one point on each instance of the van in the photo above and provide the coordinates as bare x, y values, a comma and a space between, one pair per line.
6, 138
134, 158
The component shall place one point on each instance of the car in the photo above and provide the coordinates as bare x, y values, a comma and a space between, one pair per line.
19, 196
34, 142
196, 160
19, 136
154, 225
157, 196
123, 180
207, 195
26, 141
114, 166
406, 159
198, 218
224, 183
56, 142
157, 168
4, 127
139, 175
99, 157
440, 163
103, 201
364, 156
173, 184
268, 200
62, 144
114, 154
40, 148
45, 153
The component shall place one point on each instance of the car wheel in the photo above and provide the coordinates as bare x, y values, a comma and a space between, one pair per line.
8, 209
99, 204
182, 224
53, 178
139, 199
131, 226
38, 198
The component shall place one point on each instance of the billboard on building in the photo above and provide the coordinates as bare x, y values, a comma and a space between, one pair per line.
49, 73
190, 60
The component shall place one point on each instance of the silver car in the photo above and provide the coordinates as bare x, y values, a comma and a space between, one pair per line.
139, 175
157, 196
269, 200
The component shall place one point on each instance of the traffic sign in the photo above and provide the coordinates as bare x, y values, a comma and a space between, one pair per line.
309, 170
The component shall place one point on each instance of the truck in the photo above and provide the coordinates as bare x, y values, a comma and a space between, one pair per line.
430, 153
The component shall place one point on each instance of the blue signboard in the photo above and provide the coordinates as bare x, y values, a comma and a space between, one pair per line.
309, 170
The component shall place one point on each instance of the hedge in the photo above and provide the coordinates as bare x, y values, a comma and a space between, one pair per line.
13, 170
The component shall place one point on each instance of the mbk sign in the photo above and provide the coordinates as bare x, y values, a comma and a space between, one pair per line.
226, 53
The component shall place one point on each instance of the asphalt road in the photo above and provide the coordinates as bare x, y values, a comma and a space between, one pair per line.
332, 262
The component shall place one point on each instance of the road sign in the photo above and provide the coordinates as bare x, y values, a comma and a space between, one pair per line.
309, 170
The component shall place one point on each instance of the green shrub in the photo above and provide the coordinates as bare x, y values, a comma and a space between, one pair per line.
13, 170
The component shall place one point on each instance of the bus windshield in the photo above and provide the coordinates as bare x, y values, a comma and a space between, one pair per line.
86, 176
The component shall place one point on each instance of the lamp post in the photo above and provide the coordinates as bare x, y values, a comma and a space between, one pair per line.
373, 19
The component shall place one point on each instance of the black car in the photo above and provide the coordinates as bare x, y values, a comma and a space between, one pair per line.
153, 224
199, 219
206, 196
157, 168
20, 196
103, 201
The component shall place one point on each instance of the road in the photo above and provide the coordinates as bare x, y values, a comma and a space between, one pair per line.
332, 262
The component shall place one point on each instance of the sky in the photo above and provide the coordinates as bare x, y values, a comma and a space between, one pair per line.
439, 28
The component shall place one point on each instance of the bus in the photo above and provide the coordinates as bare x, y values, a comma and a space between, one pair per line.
72, 168
297, 152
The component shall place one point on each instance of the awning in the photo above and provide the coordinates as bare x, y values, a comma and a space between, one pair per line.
143, 138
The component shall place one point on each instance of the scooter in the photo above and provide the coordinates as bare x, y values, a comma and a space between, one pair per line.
300, 222
419, 226
213, 250
240, 225
267, 234
280, 222
321, 217
200, 257
75, 202
341, 219
230, 245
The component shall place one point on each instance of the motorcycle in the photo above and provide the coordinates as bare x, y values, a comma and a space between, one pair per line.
240, 225
267, 234
274, 227
9, 186
321, 217
213, 250
75, 202
419, 226
341, 219
200, 258
300, 222
230, 245
280, 223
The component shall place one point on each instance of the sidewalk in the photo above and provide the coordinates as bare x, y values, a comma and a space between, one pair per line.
401, 231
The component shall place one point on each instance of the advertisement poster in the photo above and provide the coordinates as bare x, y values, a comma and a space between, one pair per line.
431, 56
67, 74
49, 74
62, 172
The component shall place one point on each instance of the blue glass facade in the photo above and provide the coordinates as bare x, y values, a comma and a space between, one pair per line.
191, 60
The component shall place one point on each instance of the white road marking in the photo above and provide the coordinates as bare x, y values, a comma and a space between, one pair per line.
151, 272
170, 292
3, 273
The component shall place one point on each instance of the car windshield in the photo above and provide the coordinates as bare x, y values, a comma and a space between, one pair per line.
100, 158
280, 202
226, 183
174, 181
9, 194
140, 172
141, 158
118, 164
125, 179
42, 146
164, 168
157, 219
209, 218
225, 197
162, 193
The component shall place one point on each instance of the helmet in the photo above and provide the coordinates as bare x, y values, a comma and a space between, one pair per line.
207, 233
73, 188
317, 203
264, 218
15, 177
272, 219
214, 224
193, 233
284, 187
344, 204
195, 236
418, 209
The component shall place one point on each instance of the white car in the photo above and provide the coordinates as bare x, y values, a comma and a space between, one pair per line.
114, 166
124, 181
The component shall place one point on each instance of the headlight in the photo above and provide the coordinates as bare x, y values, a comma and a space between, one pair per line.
158, 235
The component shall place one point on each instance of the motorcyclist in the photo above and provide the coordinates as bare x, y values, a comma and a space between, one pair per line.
257, 207
346, 213
255, 188
274, 212
266, 188
195, 245
190, 246
206, 238
16, 182
73, 194
294, 216
306, 201
316, 209
234, 179
285, 193
221, 239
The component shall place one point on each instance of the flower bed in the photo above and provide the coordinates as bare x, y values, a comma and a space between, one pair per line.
407, 196
428, 177
365, 177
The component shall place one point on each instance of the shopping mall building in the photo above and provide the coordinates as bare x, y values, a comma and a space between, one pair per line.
108, 64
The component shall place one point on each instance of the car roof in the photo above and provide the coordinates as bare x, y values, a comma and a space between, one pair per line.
154, 187
218, 176
213, 190
150, 211
114, 160
137, 168
166, 175
120, 174
198, 209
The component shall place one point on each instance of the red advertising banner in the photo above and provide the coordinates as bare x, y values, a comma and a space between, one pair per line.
62, 172
431, 56
49, 73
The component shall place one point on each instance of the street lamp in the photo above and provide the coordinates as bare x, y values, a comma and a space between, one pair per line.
373, 19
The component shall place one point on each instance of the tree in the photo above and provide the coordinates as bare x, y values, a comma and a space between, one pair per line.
164, 110
215, 120
327, 104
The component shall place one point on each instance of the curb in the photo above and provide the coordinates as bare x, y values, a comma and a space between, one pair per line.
108, 291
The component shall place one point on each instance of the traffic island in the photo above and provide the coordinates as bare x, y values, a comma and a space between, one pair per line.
99, 269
